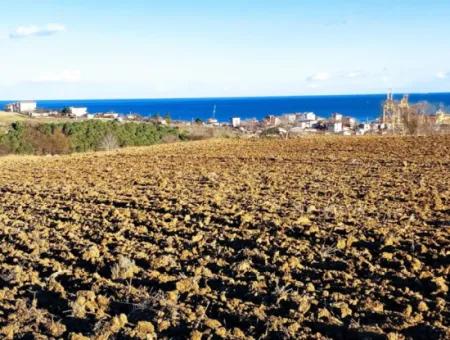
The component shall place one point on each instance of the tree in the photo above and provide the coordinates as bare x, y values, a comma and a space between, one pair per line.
109, 142
416, 120
410, 122
82, 136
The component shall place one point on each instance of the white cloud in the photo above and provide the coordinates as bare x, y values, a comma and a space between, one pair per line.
36, 31
442, 75
66, 76
319, 76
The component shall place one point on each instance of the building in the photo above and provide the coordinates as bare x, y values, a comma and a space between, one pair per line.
288, 118
109, 115
349, 122
9, 107
303, 125
442, 118
250, 124
395, 111
272, 120
306, 120
365, 127
38, 114
77, 112
306, 116
335, 127
310, 116
337, 117
133, 117
26, 106
213, 121
235, 122
307, 124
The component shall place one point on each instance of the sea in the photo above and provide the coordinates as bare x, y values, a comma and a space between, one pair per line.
361, 107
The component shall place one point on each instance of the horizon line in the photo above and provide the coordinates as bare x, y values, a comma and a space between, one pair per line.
229, 97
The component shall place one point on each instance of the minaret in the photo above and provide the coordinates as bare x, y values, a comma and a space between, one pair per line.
387, 107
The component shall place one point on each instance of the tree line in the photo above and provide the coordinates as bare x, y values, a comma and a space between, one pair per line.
68, 137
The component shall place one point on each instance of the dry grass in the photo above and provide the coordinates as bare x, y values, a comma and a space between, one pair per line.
7, 118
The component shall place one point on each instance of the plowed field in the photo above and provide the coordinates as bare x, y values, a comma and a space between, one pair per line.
312, 238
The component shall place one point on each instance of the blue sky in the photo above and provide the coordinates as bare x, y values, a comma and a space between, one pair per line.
55, 49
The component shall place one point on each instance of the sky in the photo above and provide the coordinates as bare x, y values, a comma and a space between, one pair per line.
77, 49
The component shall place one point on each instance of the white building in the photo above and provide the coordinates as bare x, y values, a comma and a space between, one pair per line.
335, 127
213, 121
272, 120
26, 106
9, 107
365, 127
77, 112
310, 116
235, 122
39, 114
306, 120
132, 116
306, 116
302, 125
109, 115
349, 121
337, 117
307, 124
288, 118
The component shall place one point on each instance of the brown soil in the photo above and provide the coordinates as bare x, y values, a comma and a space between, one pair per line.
312, 238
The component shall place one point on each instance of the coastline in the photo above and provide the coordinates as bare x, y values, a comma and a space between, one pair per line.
361, 107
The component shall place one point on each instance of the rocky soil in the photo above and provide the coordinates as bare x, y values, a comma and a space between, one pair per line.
312, 238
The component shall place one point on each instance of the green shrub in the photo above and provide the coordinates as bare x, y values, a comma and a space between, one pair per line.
15, 140
57, 138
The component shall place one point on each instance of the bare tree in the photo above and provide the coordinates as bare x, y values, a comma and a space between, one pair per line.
417, 120
109, 142
426, 108
410, 121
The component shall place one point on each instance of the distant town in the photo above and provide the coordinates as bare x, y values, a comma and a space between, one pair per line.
397, 117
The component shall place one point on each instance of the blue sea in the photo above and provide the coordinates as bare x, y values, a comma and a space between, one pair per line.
361, 107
